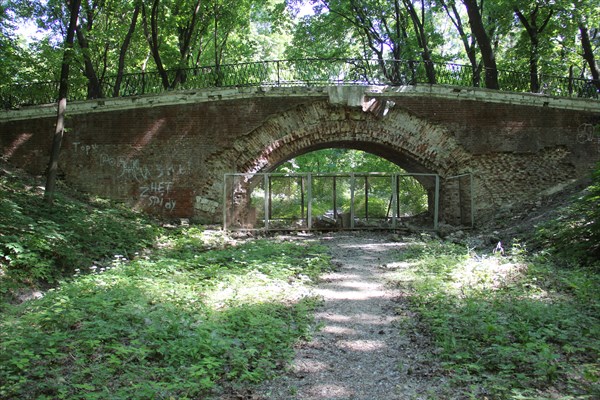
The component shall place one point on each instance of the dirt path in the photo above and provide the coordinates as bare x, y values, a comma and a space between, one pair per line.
369, 346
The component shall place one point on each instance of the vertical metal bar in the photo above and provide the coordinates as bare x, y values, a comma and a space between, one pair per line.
394, 199
309, 194
270, 197
397, 193
352, 200
225, 205
302, 198
460, 200
278, 74
436, 202
266, 199
366, 198
472, 202
334, 198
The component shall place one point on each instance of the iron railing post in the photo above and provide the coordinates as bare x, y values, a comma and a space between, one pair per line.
436, 207
267, 195
278, 74
309, 195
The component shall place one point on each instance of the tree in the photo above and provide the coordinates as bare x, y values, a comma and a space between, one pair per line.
8, 46
588, 52
62, 102
533, 29
125, 47
89, 10
468, 40
185, 24
484, 42
419, 22
383, 28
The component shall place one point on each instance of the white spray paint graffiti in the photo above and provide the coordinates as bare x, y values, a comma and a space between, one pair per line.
156, 194
154, 180
588, 133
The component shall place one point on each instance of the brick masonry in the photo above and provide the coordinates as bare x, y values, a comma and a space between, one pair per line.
167, 154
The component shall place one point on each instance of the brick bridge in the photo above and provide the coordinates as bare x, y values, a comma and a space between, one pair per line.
168, 153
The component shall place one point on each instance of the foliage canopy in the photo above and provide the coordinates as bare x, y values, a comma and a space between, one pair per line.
544, 37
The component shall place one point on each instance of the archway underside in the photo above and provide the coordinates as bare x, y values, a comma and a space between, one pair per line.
415, 145
403, 160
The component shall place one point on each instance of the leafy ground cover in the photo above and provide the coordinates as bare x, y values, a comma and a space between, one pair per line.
178, 323
131, 310
137, 311
512, 326
39, 244
523, 323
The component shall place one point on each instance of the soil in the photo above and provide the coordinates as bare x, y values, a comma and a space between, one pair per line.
369, 345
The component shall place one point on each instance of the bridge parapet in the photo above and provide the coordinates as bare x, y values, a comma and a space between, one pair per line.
349, 95
302, 72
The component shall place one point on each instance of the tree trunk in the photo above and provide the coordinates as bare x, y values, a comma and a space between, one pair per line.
94, 89
485, 44
468, 43
63, 91
151, 34
419, 26
588, 54
123, 51
533, 32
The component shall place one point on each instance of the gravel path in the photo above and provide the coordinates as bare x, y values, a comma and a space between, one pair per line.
369, 346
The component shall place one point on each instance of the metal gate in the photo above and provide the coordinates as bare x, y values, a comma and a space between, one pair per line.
307, 201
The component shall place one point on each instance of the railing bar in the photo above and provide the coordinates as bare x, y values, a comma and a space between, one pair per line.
307, 71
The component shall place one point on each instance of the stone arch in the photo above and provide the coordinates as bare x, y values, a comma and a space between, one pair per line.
416, 145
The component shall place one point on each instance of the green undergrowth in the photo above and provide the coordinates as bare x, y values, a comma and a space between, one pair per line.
182, 322
574, 234
39, 244
130, 310
513, 326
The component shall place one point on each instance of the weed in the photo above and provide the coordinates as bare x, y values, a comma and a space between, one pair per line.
150, 328
538, 329
134, 312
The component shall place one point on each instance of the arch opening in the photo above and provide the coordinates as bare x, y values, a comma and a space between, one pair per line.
428, 152
328, 189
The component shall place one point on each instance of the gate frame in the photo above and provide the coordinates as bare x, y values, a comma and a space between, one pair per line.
352, 175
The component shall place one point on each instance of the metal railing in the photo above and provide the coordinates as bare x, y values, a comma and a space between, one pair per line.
302, 72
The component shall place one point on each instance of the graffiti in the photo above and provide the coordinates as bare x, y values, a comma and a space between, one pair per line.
154, 180
170, 169
131, 169
78, 147
160, 188
159, 202
155, 194
134, 169
589, 134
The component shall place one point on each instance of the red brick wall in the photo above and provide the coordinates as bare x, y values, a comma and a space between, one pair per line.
170, 159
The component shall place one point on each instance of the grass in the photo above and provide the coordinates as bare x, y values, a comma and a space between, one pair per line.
176, 324
40, 244
508, 327
189, 316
